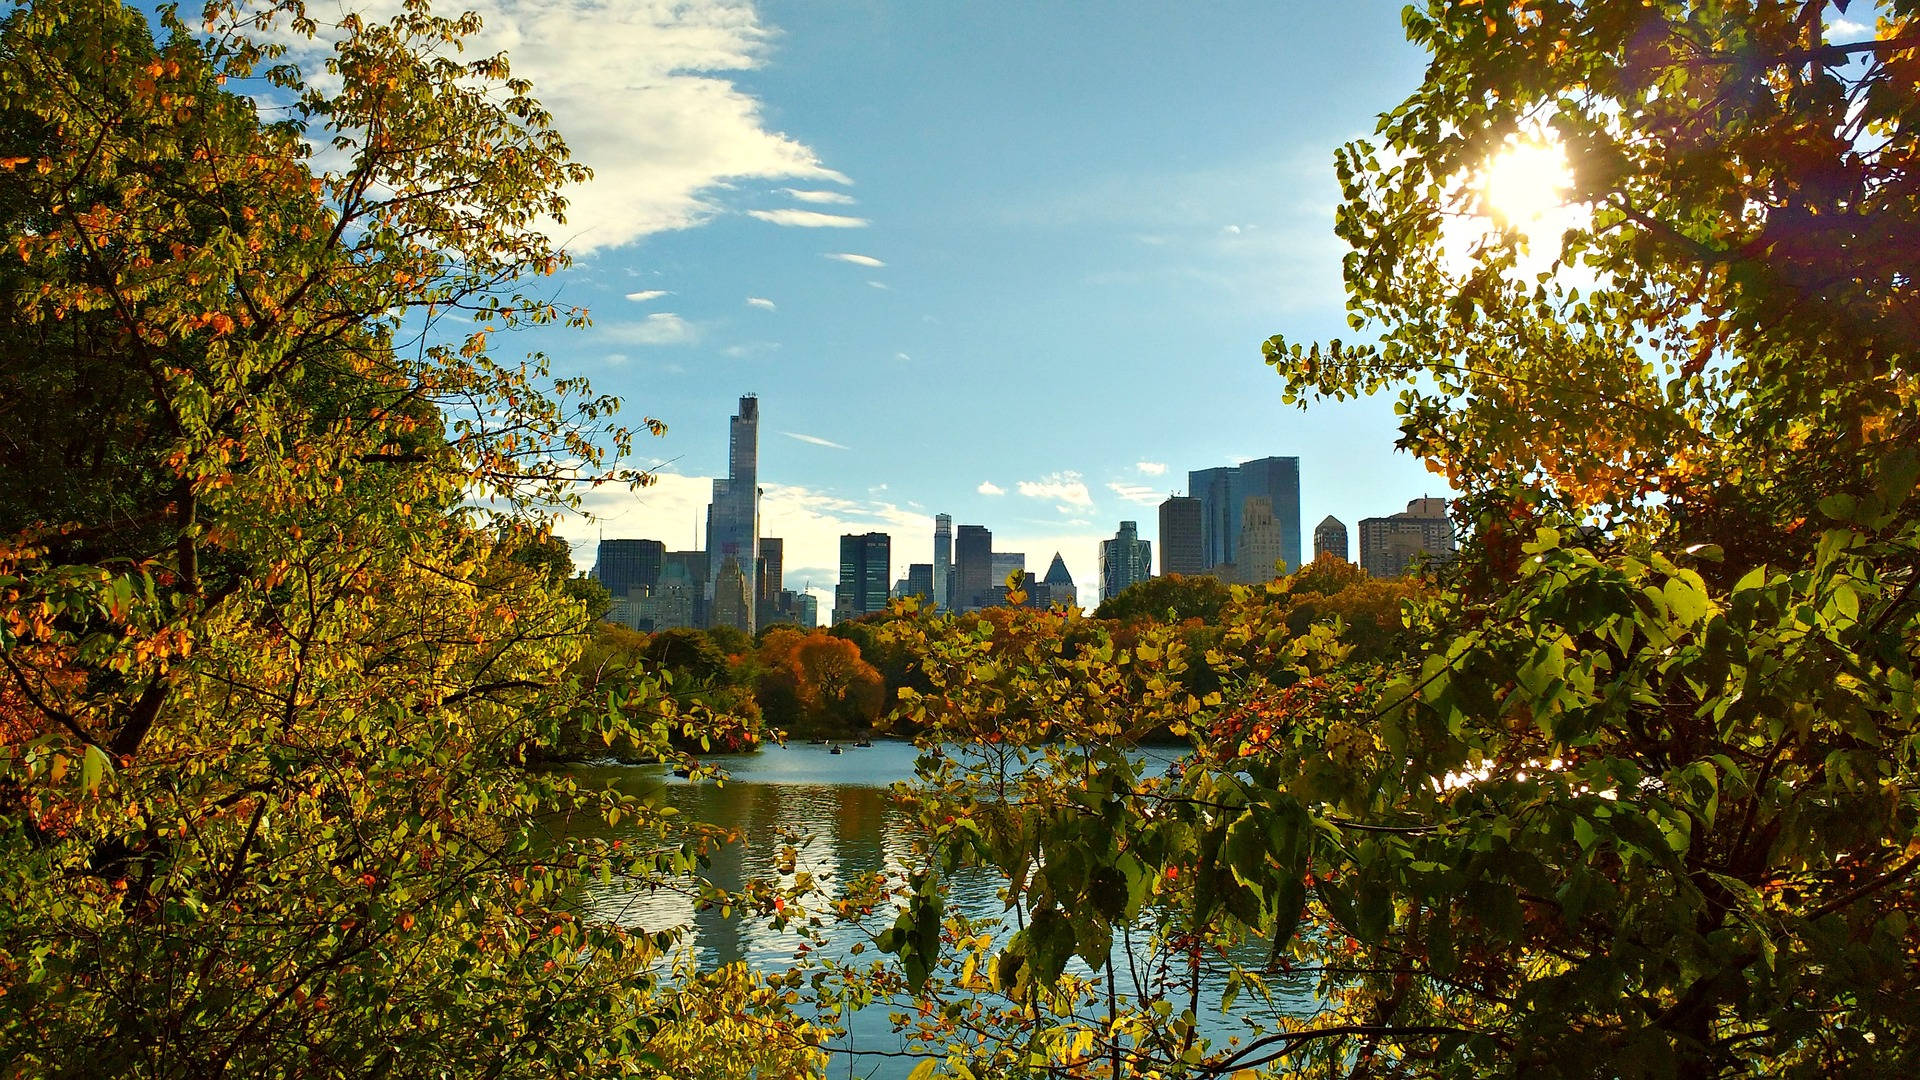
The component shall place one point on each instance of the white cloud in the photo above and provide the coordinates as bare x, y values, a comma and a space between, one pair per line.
616, 358
645, 95
1063, 487
857, 260
645, 295
836, 198
808, 219
814, 439
760, 302
661, 328
1136, 493
881, 285
1151, 468
1847, 28
901, 356
988, 487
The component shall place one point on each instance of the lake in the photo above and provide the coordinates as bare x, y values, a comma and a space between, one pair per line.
842, 802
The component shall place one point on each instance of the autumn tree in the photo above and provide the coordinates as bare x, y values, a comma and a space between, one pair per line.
271, 674
1642, 797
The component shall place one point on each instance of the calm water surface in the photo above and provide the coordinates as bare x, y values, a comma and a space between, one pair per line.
852, 824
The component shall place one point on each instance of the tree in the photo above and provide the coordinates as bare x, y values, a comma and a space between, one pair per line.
271, 672
1172, 597
1642, 800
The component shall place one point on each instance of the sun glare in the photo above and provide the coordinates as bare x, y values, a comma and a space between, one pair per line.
1525, 183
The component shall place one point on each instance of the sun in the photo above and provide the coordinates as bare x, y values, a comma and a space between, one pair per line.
1525, 182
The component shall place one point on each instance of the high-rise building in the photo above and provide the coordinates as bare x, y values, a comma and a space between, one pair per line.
806, 610
865, 562
1008, 562
1059, 583
732, 602
1389, 545
621, 566
1180, 549
1223, 493
733, 518
1124, 560
1257, 554
918, 582
942, 557
769, 595
972, 567
1330, 538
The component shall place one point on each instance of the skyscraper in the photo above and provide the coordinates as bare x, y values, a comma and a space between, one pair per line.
733, 518
1180, 548
1330, 538
1223, 493
1257, 558
942, 557
1389, 545
1124, 560
768, 591
1059, 583
621, 566
865, 565
972, 567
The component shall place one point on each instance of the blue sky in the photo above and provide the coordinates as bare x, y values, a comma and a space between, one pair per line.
960, 249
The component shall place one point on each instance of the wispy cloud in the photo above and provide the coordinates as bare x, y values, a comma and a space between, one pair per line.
836, 198
1151, 468
645, 295
1062, 487
808, 219
901, 356
988, 487
815, 440
647, 94
661, 328
1846, 28
760, 302
881, 285
1135, 493
857, 260
616, 358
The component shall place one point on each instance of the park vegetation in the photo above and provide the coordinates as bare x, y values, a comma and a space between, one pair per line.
1629, 788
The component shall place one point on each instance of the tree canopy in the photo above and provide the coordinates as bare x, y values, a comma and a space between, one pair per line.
279, 622
1635, 792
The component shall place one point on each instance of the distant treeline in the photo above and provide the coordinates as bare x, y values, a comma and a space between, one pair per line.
843, 682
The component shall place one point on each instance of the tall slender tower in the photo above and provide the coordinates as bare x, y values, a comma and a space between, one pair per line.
733, 518
942, 557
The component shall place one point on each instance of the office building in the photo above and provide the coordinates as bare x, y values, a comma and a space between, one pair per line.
620, 566
918, 582
1059, 584
733, 518
972, 567
772, 603
1008, 562
865, 564
942, 557
1181, 551
1389, 545
806, 610
1330, 538
1223, 493
732, 600
1258, 558
1124, 560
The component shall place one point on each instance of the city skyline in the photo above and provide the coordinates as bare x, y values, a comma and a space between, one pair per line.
1226, 491
1035, 301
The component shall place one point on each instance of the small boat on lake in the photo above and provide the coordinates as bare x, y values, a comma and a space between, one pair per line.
832, 749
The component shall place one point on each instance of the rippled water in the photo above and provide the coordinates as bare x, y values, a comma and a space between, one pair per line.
854, 825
